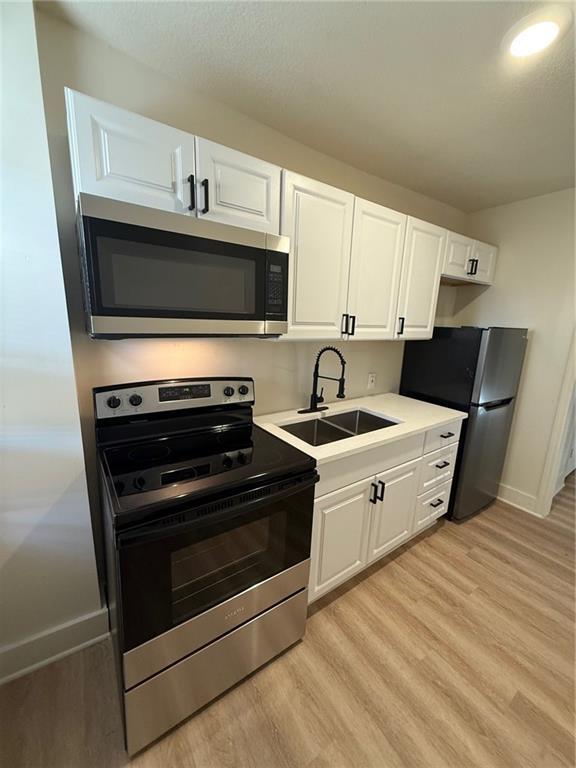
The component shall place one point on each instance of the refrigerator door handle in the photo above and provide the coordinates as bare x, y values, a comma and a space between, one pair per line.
499, 404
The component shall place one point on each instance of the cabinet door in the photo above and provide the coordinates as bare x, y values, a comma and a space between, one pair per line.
377, 243
393, 514
318, 220
458, 259
421, 267
339, 536
234, 188
119, 154
486, 255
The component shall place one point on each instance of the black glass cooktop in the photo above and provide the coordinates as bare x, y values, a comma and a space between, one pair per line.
169, 469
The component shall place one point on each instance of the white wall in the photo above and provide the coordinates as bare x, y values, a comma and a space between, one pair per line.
47, 565
533, 288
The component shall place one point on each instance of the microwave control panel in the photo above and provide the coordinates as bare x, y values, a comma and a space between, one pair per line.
277, 284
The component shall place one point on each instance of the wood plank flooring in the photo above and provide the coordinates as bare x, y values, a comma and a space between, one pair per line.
455, 652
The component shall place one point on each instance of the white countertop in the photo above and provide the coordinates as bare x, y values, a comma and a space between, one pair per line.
413, 417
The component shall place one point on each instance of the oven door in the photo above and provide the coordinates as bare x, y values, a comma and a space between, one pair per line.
188, 579
171, 275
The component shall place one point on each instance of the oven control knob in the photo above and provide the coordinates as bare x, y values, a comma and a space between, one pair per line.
242, 458
135, 400
139, 483
243, 389
228, 391
227, 462
113, 401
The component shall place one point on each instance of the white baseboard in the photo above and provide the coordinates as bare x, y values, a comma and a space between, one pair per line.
34, 652
524, 501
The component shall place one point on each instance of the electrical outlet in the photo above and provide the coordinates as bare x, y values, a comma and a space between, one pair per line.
371, 381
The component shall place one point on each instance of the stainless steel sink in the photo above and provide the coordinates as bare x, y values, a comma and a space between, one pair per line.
316, 431
338, 426
359, 422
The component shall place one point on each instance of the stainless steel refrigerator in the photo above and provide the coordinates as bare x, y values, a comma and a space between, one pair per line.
476, 370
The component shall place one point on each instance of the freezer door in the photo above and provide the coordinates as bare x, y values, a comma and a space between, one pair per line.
499, 364
442, 370
483, 457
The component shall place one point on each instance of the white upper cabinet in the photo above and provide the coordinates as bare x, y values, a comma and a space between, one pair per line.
469, 260
318, 220
118, 154
459, 254
377, 243
393, 513
422, 264
234, 188
485, 256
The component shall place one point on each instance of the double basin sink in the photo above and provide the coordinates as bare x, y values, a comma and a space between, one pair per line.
337, 426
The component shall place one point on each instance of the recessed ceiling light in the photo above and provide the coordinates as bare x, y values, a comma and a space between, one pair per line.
537, 31
534, 38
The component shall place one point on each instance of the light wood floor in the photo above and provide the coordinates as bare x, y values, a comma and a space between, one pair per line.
456, 652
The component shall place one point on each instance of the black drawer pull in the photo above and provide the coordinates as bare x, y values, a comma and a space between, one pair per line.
374, 494
437, 503
382, 485
206, 196
446, 435
344, 324
353, 324
443, 464
192, 192
401, 320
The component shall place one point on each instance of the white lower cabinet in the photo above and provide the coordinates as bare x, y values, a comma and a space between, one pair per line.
432, 505
392, 515
361, 522
339, 536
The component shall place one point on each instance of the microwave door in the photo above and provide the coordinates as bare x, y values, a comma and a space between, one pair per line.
203, 279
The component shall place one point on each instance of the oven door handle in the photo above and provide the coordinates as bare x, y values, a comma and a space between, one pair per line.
214, 511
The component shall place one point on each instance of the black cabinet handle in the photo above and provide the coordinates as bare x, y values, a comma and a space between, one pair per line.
353, 325
401, 329
380, 495
192, 192
471, 264
374, 493
446, 435
206, 196
442, 464
437, 503
475, 266
344, 324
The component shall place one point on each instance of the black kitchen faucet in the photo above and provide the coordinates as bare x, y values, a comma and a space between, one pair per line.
316, 398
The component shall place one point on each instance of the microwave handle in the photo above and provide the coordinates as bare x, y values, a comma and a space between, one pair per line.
161, 530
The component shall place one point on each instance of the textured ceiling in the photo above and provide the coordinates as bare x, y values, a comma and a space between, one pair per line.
420, 93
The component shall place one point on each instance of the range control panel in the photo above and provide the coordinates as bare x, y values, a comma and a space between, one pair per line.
172, 395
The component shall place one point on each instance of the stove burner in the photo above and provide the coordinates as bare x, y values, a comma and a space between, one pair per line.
149, 452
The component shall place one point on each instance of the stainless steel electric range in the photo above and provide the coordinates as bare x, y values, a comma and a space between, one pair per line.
208, 522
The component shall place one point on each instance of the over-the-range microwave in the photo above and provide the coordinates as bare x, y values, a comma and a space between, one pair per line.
155, 273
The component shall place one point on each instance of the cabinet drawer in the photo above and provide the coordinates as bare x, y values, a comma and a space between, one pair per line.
439, 437
437, 467
431, 505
